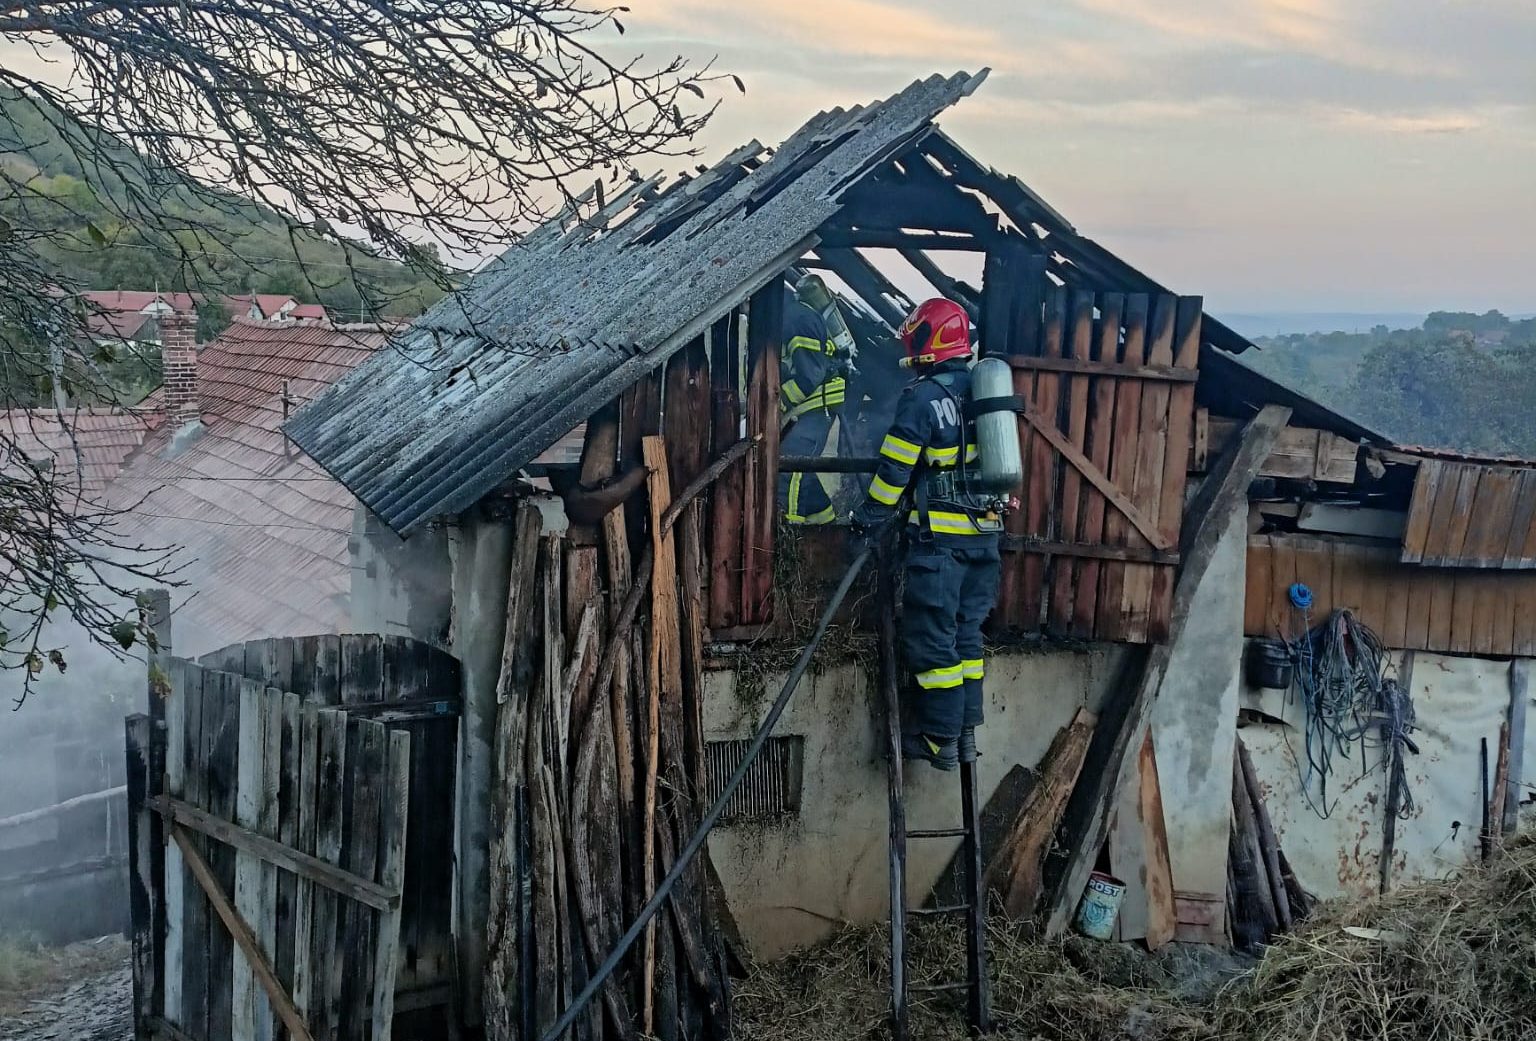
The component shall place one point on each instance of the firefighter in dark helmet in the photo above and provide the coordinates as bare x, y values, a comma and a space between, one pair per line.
952, 564
812, 387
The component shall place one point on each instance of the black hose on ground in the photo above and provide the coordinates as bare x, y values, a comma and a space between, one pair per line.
684, 858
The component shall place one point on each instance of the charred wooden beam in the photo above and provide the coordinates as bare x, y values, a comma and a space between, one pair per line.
899, 238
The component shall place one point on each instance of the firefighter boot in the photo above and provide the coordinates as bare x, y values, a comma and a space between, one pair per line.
939, 752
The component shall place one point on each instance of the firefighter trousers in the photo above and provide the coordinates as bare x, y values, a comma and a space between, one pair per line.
802, 496
950, 587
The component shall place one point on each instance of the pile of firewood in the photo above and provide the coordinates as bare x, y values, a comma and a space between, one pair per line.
599, 759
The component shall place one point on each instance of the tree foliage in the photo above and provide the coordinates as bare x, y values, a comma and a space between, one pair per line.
1462, 381
322, 150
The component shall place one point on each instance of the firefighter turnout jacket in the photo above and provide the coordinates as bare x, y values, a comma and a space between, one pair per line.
952, 564
928, 449
812, 377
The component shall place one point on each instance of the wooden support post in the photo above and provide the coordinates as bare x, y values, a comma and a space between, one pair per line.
665, 680
1269, 845
1207, 520
1519, 702
764, 335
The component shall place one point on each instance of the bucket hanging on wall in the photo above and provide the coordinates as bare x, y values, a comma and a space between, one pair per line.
1100, 906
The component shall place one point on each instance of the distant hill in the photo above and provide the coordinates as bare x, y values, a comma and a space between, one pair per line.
228, 246
1280, 323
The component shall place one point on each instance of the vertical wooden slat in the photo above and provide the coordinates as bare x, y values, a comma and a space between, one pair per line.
1181, 433
290, 749
326, 968
1416, 535
306, 807
1314, 568
366, 755
725, 545
686, 412
1042, 465
1421, 582
1101, 435
1152, 447
180, 674
1258, 585
1399, 586
1523, 639
325, 676
1442, 607
764, 336
1016, 300
1490, 584
221, 721
1492, 511
1070, 509
143, 882
1463, 611
243, 996
1447, 487
1523, 519
1112, 621
1462, 513
393, 825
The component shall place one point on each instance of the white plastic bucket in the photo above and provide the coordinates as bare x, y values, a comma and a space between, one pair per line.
1100, 906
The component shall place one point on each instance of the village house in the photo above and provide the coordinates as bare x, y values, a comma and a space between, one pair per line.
1172, 700
257, 536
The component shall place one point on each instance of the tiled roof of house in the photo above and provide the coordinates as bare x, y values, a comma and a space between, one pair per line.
260, 530
86, 445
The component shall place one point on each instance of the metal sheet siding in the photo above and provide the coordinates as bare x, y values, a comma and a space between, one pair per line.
559, 324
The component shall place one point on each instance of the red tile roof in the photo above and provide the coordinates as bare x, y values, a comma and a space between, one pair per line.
260, 530
86, 445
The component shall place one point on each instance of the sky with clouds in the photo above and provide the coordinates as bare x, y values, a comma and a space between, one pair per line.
1351, 155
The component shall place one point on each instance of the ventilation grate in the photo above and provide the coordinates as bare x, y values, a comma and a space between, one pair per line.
772, 786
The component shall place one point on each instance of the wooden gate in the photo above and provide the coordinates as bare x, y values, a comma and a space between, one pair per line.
1109, 384
291, 819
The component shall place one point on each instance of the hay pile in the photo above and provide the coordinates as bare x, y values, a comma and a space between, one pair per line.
1451, 961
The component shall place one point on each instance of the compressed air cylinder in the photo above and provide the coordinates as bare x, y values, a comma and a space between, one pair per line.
1000, 463
814, 294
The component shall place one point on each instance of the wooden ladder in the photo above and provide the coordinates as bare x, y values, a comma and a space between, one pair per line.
975, 985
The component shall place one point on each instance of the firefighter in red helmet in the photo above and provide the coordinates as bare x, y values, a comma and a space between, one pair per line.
952, 564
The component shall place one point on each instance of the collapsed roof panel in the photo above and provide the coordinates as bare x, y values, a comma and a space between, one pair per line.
562, 322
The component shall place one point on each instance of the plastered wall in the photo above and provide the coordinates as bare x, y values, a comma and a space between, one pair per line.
790, 884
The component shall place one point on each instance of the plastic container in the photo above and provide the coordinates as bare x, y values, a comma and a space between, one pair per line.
1100, 906
1269, 665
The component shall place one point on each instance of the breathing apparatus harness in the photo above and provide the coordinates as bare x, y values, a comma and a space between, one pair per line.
955, 487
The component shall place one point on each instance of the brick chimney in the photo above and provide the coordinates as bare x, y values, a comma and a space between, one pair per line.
178, 354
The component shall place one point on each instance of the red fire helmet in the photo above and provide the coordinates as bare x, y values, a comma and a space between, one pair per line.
936, 331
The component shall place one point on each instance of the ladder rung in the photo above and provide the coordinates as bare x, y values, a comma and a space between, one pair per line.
946, 909
935, 988
937, 833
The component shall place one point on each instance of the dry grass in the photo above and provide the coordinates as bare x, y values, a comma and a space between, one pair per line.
29, 968
1452, 961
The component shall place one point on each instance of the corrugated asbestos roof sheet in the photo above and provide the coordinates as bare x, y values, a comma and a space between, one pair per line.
562, 322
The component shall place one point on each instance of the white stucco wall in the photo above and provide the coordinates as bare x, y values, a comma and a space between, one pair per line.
791, 884
1459, 701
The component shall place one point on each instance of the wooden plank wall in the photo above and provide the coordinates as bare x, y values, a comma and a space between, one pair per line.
1116, 373
1472, 516
731, 390
1445, 610
255, 763
413, 687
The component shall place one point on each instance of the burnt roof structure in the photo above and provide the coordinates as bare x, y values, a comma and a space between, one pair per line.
601, 295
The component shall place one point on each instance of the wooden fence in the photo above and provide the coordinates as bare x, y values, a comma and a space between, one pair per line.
1109, 384
270, 859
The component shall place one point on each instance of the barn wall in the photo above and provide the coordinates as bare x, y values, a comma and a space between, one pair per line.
1459, 701
400, 587
790, 884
